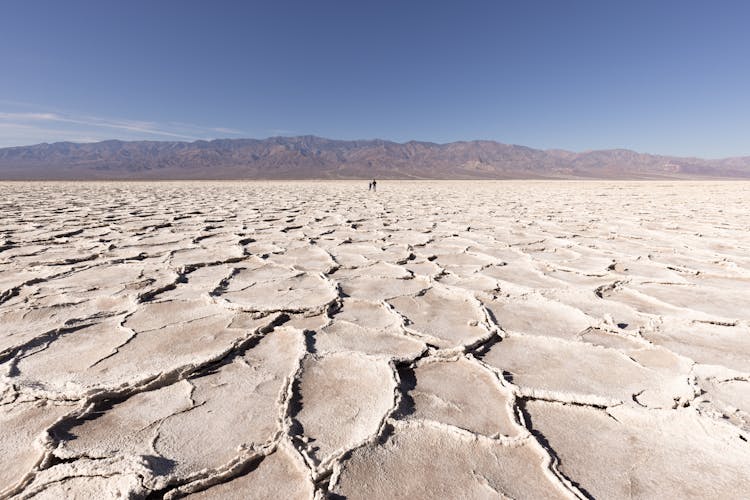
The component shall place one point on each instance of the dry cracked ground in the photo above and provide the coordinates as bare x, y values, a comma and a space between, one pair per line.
431, 340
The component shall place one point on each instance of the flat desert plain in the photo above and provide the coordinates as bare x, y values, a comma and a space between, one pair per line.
431, 340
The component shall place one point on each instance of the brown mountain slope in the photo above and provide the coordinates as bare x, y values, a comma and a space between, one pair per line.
311, 157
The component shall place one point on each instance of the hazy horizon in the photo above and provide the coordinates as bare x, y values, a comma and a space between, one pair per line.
373, 139
664, 79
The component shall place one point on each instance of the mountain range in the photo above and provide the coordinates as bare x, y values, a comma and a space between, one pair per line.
310, 157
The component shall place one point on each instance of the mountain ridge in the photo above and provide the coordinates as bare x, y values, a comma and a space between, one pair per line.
312, 157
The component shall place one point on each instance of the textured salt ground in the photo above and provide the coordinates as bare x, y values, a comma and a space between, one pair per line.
434, 339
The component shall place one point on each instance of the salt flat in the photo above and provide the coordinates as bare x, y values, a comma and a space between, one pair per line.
431, 340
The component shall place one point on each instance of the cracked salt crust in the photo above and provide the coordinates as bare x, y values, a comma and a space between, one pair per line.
435, 339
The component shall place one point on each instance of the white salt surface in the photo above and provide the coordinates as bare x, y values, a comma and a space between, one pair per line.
431, 340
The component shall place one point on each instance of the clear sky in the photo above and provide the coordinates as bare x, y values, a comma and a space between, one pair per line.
668, 77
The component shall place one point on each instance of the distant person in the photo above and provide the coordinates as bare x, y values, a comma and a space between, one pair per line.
374, 185
369, 186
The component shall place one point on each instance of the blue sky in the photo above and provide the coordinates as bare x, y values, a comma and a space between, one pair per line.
668, 77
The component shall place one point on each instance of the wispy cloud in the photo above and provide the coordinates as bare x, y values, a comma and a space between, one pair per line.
29, 116
30, 127
223, 130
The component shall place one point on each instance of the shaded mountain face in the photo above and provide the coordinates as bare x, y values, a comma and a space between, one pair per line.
311, 157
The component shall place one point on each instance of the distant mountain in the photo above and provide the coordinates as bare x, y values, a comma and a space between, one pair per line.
311, 157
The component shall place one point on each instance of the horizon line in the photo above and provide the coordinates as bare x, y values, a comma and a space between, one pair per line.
376, 139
